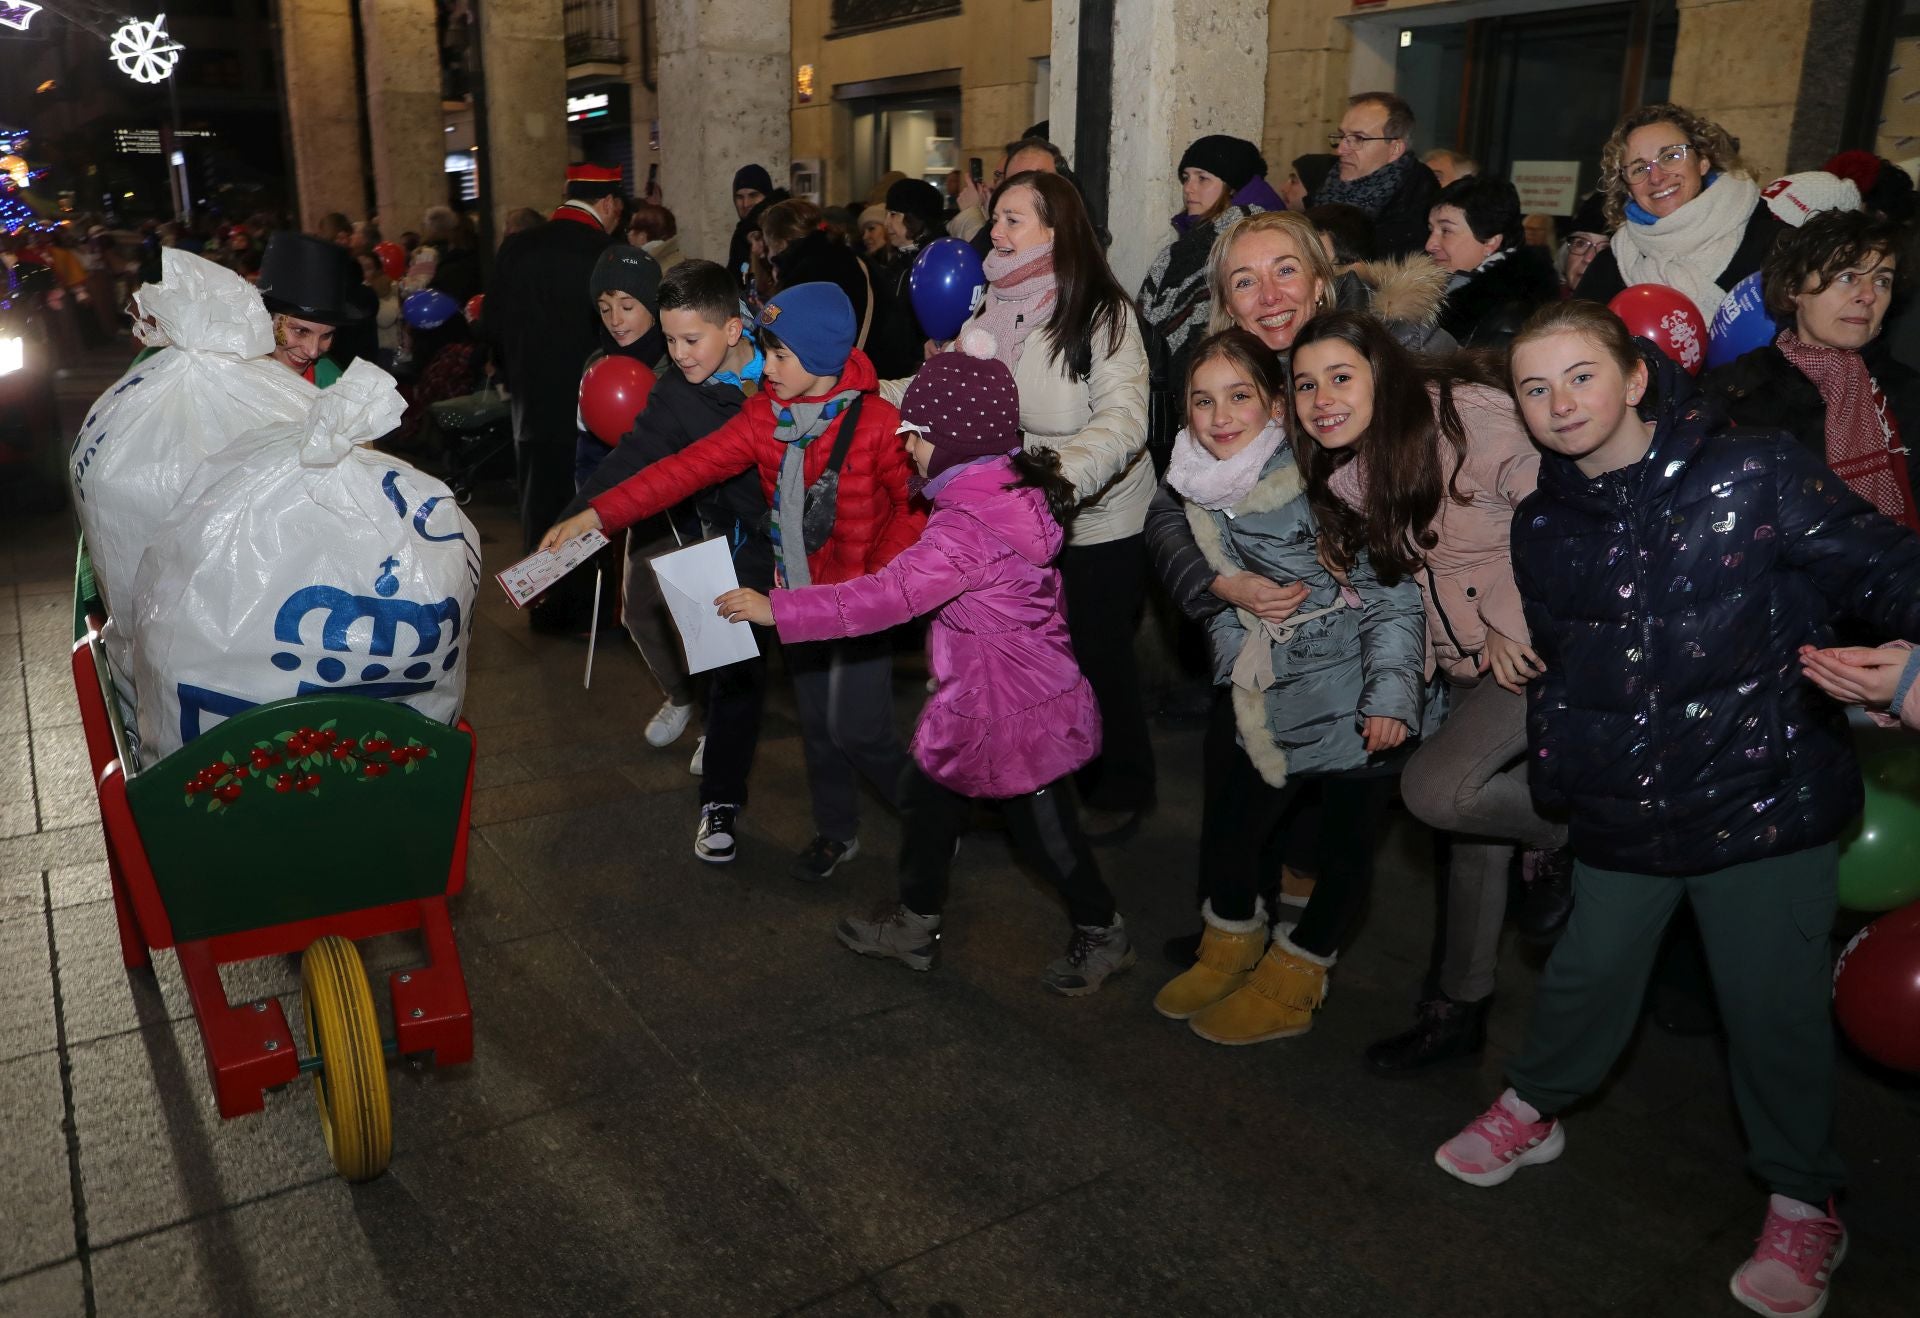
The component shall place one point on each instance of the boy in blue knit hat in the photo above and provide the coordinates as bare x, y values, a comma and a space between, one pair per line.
835, 478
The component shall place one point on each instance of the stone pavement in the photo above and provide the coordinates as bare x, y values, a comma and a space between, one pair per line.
686, 1099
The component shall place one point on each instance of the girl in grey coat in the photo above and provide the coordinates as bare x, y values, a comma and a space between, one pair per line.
1316, 697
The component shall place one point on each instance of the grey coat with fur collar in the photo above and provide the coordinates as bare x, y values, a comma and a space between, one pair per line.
1333, 670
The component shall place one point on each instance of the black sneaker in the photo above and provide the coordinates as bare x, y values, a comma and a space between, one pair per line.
713, 841
821, 858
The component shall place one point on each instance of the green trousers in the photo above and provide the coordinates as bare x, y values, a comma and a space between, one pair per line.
1766, 926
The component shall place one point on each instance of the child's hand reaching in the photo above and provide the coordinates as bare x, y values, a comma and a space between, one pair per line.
1512, 664
1859, 675
745, 605
573, 528
1382, 734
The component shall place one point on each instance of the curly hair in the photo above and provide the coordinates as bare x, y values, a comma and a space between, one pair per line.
1313, 254
1720, 148
1820, 251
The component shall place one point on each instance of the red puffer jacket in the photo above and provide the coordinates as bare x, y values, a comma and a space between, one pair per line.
872, 521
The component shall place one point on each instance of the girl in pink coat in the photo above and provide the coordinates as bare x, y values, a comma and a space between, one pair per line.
1011, 717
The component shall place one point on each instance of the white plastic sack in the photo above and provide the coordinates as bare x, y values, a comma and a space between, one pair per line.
301, 562
146, 436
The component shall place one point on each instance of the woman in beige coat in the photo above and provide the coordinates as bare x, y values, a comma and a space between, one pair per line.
1062, 323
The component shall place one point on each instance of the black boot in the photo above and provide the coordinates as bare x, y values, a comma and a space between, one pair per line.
1547, 898
1445, 1031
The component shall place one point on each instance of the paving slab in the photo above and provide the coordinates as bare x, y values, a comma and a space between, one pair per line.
55, 1292
27, 1022
36, 1198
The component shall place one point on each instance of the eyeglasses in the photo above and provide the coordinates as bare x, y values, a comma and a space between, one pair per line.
1355, 139
1581, 245
1670, 159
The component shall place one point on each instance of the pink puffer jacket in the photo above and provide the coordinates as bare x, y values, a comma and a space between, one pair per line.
1011, 712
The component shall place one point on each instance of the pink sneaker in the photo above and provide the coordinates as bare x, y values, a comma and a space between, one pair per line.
1798, 1250
1503, 1139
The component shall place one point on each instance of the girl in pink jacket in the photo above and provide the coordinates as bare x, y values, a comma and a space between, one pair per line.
1011, 717
1421, 465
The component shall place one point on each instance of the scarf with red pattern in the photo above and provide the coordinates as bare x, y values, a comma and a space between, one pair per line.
1863, 439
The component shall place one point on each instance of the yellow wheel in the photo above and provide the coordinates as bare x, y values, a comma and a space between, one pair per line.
344, 1034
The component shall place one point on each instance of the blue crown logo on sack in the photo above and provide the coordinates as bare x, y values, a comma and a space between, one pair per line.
432, 624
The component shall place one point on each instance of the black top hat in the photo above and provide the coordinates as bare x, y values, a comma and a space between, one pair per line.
313, 279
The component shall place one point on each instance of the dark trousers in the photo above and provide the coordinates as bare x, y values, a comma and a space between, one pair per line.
1045, 830
1105, 589
1765, 925
736, 695
843, 692
1237, 823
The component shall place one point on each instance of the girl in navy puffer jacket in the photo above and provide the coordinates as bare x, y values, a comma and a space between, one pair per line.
1671, 570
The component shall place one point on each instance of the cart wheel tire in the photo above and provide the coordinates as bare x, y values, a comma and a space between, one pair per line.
356, 1115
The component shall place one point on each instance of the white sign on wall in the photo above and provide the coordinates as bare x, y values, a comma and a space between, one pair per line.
1547, 187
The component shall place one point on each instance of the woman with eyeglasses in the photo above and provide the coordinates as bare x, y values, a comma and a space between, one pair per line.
1686, 213
1588, 235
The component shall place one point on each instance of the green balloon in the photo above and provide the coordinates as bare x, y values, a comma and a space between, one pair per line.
1880, 854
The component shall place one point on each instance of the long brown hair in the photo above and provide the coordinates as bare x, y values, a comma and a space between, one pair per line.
1405, 475
1090, 302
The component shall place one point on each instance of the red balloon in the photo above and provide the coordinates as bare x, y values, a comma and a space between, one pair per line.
393, 258
474, 304
1876, 989
612, 394
1666, 318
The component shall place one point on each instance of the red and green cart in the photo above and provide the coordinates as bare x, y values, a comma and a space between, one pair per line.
296, 827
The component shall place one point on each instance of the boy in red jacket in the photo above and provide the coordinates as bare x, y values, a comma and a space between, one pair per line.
839, 510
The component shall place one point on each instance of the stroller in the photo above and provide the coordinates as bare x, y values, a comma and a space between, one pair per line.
477, 430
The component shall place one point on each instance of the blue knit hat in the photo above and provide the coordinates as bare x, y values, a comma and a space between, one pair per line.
816, 323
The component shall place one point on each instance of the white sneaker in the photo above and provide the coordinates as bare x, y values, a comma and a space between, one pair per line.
697, 766
668, 723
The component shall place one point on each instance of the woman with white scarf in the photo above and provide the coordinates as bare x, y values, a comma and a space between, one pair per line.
1686, 213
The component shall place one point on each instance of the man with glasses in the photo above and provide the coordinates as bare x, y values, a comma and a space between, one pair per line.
1379, 174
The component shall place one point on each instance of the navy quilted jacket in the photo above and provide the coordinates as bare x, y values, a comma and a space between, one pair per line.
1668, 600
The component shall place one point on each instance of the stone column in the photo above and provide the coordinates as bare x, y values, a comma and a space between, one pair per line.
1191, 67
726, 83
1740, 63
524, 62
323, 108
403, 110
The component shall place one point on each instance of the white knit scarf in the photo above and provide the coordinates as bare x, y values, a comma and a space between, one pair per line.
1687, 249
1218, 484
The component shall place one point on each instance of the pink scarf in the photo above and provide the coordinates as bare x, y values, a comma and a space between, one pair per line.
1220, 484
1020, 294
1863, 440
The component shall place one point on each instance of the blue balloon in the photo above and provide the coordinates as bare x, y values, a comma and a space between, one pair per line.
429, 309
1741, 325
947, 284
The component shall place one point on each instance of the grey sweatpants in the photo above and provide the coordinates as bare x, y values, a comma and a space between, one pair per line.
1470, 780
1766, 926
645, 612
844, 693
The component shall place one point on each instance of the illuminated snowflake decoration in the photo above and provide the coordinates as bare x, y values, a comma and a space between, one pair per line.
17, 15
144, 51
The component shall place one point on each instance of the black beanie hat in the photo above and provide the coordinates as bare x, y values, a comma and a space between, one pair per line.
629, 270
1590, 216
1234, 161
1312, 170
914, 196
752, 176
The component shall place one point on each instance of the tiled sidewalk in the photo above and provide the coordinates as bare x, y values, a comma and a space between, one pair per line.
686, 1099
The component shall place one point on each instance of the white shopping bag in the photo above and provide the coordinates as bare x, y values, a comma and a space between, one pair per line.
300, 562
145, 437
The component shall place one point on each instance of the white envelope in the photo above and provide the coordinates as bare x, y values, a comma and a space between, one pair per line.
690, 580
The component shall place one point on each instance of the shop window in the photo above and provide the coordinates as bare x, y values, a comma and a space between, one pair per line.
1536, 87
917, 135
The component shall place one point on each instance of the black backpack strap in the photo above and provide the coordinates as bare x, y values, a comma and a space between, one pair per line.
843, 440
